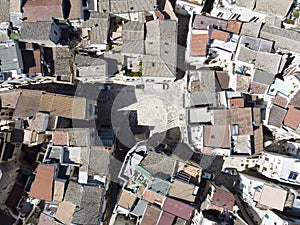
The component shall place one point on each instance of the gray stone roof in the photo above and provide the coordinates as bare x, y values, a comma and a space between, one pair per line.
277, 7
126, 6
147, 5
98, 22
133, 38
284, 39
273, 20
153, 66
88, 200
133, 47
132, 31
201, 22
4, 10
80, 137
62, 66
90, 66
159, 186
246, 55
10, 57
251, 29
98, 162
206, 78
35, 31
103, 6
245, 3
203, 98
73, 193
268, 62
140, 208
83, 61
257, 44
182, 152
263, 77
160, 166
133, 26
161, 40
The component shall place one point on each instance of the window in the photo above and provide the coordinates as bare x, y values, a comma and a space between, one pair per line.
253, 19
220, 14
293, 175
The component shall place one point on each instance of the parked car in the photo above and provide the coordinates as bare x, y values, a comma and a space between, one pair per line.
208, 176
160, 86
105, 87
140, 86
230, 171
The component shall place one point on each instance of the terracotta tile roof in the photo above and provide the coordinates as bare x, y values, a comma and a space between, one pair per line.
177, 208
159, 15
14, 196
27, 104
280, 100
39, 10
180, 190
292, 118
237, 102
207, 150
31, 61
40, 122
234, 26
45, 220
257, 116
151, 215
276, 116
295, 101
42, 185
60, 138
76, 10
257, 88
37, 60
222, 199
166, 219
223, 79
267, 197
199, 41
152, 197
63, 106
219, 35
221, 117
258, 140
243, 118
58, 191
189, 169
126, 199
9, 99
65, 212
216, 136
